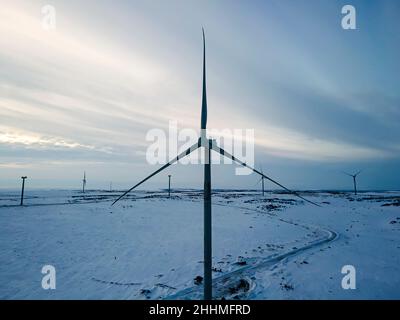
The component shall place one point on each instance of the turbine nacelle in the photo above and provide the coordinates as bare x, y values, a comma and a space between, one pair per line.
206, 142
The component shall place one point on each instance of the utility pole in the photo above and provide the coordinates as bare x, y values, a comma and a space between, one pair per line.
84, 182
169, 186
23, 188
355, 184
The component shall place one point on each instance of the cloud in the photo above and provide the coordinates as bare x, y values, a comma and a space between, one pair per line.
33, 140
81, 94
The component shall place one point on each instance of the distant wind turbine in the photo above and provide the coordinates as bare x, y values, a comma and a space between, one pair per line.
84, 182
262, 181
354, 176
208, 145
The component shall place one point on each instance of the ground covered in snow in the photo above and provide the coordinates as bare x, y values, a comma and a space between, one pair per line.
149, 246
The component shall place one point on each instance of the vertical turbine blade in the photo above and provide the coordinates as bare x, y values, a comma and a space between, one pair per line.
204, 99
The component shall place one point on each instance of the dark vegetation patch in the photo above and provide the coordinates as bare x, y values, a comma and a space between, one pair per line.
240, 287
287, 286
381, 198
198, 280
392, 204
117, 283
164, 286
241, 261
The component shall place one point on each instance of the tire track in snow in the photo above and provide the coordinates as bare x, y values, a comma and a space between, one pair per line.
231, 279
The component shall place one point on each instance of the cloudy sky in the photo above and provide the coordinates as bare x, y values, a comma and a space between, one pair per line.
321, 99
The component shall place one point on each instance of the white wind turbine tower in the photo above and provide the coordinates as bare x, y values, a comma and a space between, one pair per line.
208, 145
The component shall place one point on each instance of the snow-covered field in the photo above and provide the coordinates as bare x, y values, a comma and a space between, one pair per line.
150, 247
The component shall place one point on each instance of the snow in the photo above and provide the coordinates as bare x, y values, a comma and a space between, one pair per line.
150, 247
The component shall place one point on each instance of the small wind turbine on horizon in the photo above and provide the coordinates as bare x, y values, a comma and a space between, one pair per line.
84, 182
354, 176
23, 189
208, 145
262, 182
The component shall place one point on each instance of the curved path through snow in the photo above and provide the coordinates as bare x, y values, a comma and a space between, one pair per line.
244, 277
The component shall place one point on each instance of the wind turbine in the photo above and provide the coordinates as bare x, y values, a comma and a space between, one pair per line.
208, 145
84, 181
262, 182
354, 176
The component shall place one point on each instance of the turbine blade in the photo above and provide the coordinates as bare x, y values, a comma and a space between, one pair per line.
172, 161
358, 173
204, 98
228, 155
350, 175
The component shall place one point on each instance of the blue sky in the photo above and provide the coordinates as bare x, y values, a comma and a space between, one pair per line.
321, 99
